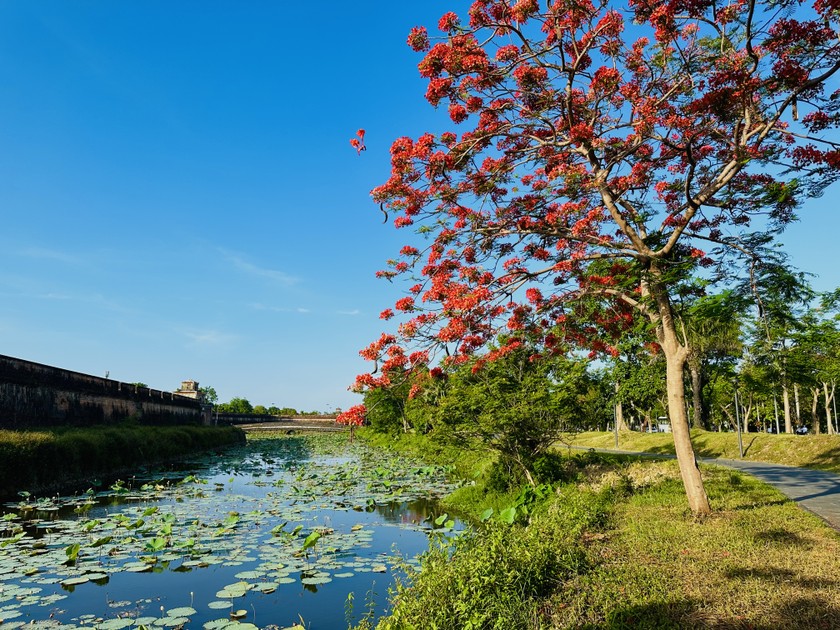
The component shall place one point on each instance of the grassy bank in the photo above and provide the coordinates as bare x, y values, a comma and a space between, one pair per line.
809, 451
612, 545
41, 460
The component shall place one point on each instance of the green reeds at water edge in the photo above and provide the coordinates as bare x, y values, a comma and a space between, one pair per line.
45, 460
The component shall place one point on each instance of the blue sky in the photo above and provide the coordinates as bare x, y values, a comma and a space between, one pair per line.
180, 198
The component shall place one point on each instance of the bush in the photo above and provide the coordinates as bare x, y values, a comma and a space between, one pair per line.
493, 578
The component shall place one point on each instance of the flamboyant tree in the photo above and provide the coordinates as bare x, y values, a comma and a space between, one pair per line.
644, 140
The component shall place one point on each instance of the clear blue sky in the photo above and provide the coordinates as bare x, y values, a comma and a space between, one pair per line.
180, 198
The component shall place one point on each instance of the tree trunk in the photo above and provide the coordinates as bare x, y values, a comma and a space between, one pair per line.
746, 412
786, 406
693, 482
698, 420
619, 415
731, 421
828, 419
676, 355
815, 419
796, 401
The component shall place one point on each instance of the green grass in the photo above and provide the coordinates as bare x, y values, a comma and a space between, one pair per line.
614, 546
809, 451
40, 460
757, 562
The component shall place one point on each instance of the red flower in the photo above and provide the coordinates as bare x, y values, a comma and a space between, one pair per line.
448, 23
405, 304
358, 143
353, 416
418, 39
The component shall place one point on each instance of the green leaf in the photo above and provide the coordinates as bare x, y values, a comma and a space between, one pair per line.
311, 540
72, 552
13, 539
155, 544
486, 514
508, 516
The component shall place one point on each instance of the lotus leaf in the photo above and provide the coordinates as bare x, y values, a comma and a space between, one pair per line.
115, 624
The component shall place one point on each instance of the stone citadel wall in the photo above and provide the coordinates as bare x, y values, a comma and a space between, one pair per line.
37, 395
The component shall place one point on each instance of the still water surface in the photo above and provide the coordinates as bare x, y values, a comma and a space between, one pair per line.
258, 536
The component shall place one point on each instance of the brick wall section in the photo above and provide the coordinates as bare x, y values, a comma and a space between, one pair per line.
32, 394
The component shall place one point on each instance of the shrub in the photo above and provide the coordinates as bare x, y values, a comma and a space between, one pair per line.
493, 578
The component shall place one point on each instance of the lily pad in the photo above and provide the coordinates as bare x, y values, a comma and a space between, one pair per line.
265, 587
75, 580
188, 527
316, 580
115, 624
144, 621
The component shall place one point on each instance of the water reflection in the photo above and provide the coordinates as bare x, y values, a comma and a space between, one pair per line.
180, 536
417, 512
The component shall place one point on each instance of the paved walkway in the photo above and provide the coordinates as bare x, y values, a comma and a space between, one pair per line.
817, 491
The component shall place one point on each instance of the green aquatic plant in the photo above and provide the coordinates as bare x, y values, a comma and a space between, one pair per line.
275, 536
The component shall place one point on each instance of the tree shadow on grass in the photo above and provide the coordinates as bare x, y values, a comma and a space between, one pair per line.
798, 614
826, 460
655, 616
780, 536
808, 612
759, 503
774, 575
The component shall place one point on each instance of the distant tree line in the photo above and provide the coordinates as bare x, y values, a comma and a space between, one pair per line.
243, 406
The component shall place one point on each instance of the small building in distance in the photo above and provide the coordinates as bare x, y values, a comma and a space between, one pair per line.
189, 389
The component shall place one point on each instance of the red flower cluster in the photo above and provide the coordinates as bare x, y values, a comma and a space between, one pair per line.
358, 142
353, 416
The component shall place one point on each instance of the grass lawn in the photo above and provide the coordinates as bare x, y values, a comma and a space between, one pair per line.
757, 562
809, 451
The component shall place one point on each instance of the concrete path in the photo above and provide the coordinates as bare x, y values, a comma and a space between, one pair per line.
817, 491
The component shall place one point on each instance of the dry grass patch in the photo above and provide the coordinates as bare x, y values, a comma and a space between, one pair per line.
757, 562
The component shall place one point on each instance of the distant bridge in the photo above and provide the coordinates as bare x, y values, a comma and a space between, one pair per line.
285, 424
